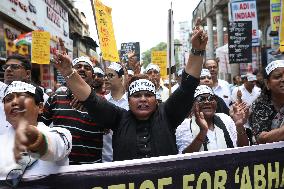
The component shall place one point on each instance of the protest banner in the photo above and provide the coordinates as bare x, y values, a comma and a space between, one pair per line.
248, 167
246, 11
128, 47
160, 58
105, 32
40, 47
240, 48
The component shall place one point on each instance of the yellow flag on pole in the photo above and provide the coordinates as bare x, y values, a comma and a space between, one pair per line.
106, 32
281, 29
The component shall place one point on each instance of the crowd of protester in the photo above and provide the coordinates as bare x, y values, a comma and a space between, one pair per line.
120, 113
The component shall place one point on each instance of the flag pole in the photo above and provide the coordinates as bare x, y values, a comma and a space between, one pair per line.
170, 29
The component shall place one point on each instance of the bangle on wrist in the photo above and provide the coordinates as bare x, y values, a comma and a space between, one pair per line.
197, 52
34, 146
70, 75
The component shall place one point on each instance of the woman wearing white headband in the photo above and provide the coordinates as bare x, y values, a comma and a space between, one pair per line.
207, 130
267, 116
146, 130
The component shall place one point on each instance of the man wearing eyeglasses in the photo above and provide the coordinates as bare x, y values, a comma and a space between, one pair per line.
64, 110
153, 71
17, 68
117, 95
220, 87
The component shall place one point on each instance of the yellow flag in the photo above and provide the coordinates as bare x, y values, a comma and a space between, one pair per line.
160, 58
281, 29
106, 32
40, 47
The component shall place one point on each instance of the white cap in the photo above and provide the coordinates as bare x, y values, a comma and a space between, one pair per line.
48, 90
166, 81
130, 72
273, 65
141, 85
179, 73
98, 70
115, 66
152, 66
83, 59
19, 87
205, 72
251, 77
203, 89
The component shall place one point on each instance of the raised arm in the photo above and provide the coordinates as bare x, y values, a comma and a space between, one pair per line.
76, 84
198, 40
183, 96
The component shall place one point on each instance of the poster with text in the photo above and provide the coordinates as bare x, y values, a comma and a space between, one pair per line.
246, 11
106, 32
40, 47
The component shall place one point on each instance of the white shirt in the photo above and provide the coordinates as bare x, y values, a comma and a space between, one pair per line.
185, 133
57, 153
223, 91
107, 152
175, 87
247, 97
164, 92
123, 102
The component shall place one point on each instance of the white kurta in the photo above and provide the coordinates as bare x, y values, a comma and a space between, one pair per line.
57, 153
186, 133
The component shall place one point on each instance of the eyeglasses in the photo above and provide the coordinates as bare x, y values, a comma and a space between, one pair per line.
110, 75
15, 175
12, 66
204, 77
80, 66
203, 99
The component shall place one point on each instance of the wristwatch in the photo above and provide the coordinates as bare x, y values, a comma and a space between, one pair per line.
197, 52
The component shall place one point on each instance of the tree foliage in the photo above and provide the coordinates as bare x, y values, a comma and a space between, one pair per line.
162, 46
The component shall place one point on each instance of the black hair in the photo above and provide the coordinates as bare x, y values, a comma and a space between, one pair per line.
24, 61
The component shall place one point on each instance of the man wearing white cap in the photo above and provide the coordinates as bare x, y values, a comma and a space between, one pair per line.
117, 96
248, 93
59, 111
153, 71
99, 83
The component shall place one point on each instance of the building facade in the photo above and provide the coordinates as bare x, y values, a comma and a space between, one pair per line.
23, 16
215, 15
